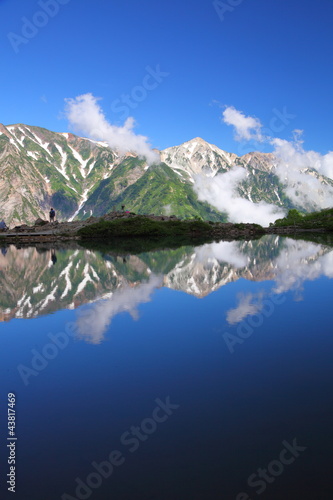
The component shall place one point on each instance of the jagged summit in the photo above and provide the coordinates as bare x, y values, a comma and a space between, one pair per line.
198, 156
199, 140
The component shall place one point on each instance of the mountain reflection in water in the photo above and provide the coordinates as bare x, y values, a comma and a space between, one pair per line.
236, 336
39, 281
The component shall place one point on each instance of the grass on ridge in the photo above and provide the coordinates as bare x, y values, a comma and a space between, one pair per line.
143, 226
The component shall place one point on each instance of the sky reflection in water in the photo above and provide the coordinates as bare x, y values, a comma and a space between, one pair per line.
238, 336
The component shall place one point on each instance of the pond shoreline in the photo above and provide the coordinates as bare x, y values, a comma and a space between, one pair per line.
43, 231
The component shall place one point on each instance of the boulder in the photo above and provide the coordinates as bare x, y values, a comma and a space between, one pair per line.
21, 228
40, 222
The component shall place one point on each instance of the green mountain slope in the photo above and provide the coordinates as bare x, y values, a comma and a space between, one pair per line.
264, 186
159, 190
40, 168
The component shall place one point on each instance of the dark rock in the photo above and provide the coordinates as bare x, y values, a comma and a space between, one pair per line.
40, 222
21, 228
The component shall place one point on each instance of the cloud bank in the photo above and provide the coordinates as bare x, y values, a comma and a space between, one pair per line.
293, 162
301, 261
299, 171
297, 262
86, 116
221, 192
304, 187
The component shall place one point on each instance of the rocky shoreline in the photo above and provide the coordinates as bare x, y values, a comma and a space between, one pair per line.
43, 230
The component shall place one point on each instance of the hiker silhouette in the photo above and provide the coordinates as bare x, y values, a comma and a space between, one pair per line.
53, 256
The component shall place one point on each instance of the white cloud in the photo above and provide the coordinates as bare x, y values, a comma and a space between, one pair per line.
297, 262
221, 192
223, 251
249, 304
325, 164
246, 127
92, 327
86, 116
303, 188
301, 261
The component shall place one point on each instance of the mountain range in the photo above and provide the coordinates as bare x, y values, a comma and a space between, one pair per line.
80, 177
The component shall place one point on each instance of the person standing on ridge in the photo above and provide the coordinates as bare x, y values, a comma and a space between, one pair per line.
3, 226
52, 215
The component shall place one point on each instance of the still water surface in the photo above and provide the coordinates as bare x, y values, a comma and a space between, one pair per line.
196, 373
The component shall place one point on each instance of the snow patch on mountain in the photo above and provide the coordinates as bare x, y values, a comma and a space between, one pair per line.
63, 158
82, 202
82, 162
33, 154
65, 273
50, 297
44, 145
91, 167
12, 141
85, 280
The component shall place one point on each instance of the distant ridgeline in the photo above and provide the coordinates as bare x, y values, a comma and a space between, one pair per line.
81, 177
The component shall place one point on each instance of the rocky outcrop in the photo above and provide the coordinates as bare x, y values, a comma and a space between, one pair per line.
40, 222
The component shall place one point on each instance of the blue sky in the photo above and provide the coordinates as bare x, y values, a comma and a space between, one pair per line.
262, 57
